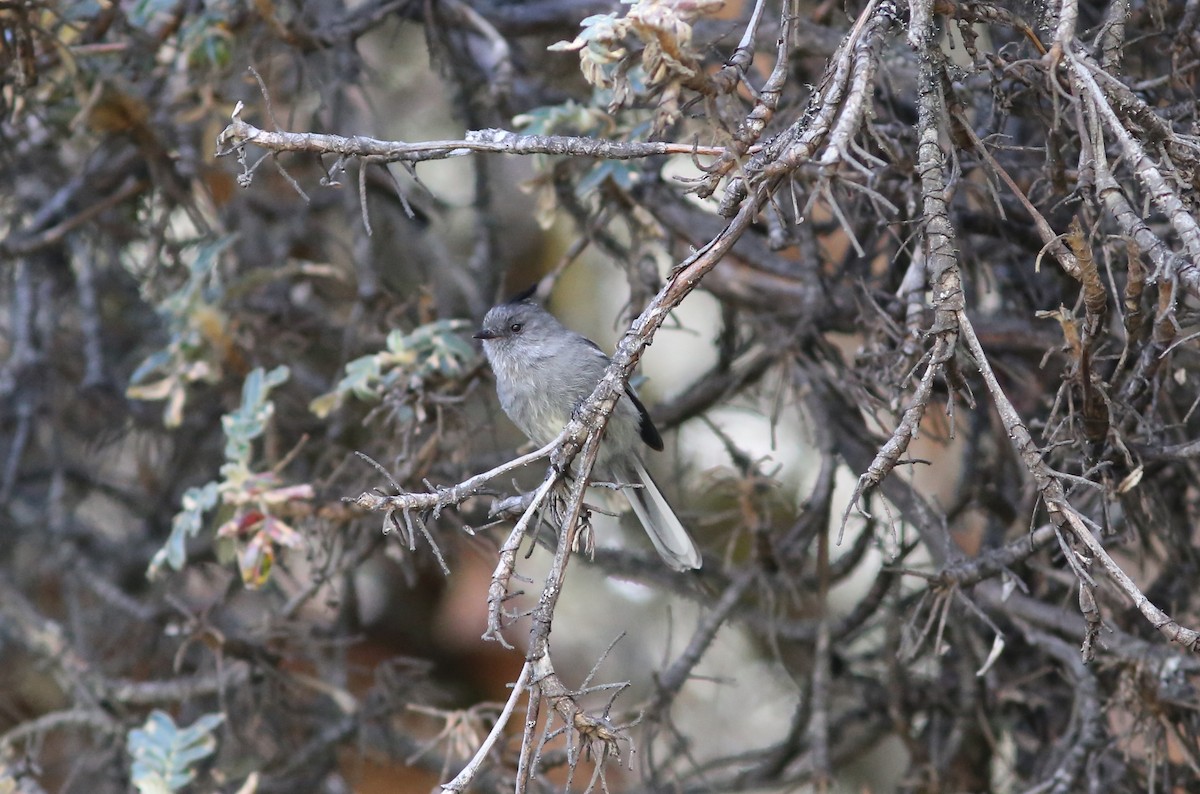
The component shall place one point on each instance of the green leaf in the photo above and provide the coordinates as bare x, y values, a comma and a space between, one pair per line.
186, 523
360, 377
241, 428
152, 363
191, 314
143, 12
622, 174
250, 419
206, 255
164, 755
407, 360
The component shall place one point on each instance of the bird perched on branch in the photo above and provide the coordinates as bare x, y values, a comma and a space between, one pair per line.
544, 372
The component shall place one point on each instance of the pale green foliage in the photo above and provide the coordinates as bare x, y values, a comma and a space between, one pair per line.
204, 38
572, 118
253, 499
250, 419
165, 755
408, 361
198, 342
186, 524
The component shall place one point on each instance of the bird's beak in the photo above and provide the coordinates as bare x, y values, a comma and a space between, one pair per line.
486, 333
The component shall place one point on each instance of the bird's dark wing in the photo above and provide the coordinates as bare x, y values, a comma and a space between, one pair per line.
649, 431
646, 426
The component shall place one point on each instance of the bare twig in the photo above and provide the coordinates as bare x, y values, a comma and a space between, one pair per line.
1148, 172
1062, 514
240, 133
463, 779
454, 495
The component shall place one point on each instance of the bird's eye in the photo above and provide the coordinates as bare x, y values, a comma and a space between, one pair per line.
516, 328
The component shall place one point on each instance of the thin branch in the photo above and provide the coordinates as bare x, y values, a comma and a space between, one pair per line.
1062, 514
464, 778
1164, 196
455, 494
91, 719
240, 134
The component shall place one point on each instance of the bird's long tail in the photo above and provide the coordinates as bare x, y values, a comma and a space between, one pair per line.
672, 541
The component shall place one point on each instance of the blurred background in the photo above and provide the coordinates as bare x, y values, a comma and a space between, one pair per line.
194, 348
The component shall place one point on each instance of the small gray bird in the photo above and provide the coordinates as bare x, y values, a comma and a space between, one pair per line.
544, 372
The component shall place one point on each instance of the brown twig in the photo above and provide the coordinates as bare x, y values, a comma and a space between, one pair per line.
1062, 514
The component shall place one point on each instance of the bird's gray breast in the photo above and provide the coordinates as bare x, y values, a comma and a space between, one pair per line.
532, 395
